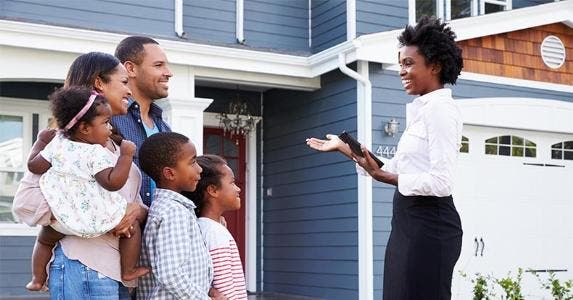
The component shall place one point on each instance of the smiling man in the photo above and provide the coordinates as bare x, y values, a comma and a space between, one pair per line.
146, 65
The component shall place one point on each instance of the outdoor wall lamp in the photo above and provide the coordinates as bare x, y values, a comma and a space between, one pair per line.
392, 127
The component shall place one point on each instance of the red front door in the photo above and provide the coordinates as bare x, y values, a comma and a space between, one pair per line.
232, 149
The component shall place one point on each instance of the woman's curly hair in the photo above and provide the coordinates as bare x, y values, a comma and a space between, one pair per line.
65, 103
436, 43
211, 175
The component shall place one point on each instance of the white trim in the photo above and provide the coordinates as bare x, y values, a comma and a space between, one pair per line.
364, 128
448, 10
526, 113
251, 212
350, 20
505, 81
212, 120
411, 12
18, 230
440, 8
178, 24
239, 21
185, 116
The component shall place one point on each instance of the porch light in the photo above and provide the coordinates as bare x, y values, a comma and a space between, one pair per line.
391, 127
237, 119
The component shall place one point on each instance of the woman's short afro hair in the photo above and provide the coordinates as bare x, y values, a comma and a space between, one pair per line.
436, 43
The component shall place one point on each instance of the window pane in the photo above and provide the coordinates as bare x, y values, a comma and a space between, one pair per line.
568, 155
506, 140
504, 150
465, 148
530, 152
11, 162
557, 146
461, 8
529, 143
568, 145
425, 7
493, 140
516, 151
231, 149
491, 8
213, 144
515, 140
465, 139
556, 154
233, 164
491, 149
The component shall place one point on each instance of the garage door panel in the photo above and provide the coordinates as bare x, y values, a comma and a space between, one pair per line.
521, 207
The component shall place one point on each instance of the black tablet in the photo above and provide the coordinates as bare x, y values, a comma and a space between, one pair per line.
355, 147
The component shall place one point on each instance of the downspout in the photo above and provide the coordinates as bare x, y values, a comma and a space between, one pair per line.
179, 19
364, 135
240, 17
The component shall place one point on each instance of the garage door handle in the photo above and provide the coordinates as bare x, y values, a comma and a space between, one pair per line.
482, 246
477, 246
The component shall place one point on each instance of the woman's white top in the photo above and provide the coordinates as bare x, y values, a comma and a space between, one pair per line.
428, 149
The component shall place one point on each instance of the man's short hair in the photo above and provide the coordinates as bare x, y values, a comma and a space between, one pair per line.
131, 48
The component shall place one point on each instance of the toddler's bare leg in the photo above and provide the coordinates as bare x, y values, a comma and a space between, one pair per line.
129, 249
45, 242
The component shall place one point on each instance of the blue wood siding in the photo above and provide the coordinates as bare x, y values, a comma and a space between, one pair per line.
130, 16
277, 24
15, 254
210, 21
389, 101
328, 24
310, 239
380, 15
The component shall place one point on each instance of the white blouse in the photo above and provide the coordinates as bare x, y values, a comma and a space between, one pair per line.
427, 151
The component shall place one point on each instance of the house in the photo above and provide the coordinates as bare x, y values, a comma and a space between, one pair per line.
309, 225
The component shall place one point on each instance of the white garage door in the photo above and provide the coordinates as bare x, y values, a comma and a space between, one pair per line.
514, 192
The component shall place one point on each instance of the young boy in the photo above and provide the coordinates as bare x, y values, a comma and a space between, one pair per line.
172, 244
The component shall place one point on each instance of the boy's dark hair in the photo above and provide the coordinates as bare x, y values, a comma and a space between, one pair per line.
87, 67
131, 48
65, 104
160, 150
436, 43
211, 175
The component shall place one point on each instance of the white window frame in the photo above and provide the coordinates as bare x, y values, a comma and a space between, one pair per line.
444, 8
24, 108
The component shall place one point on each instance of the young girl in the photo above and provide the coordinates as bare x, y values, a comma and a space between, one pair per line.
215, 194
79, 180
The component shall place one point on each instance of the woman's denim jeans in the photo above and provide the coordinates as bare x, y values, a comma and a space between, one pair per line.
70, 280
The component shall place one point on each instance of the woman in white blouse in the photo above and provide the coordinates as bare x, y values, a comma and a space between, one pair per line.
426, 236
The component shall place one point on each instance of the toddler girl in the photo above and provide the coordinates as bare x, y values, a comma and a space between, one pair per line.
80, 177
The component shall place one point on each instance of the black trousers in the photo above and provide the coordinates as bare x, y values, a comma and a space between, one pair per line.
424, 245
